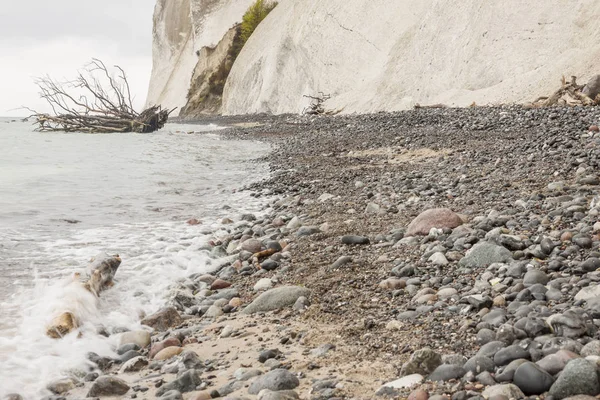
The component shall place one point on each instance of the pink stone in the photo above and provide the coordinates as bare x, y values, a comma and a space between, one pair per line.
434, 218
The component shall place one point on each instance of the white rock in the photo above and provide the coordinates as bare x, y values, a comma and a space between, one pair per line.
405, 382
134, 364
263, 284
226, 332
588, 292
294, 223
324, 197
141, 338
446, 293
438, 259
373, 208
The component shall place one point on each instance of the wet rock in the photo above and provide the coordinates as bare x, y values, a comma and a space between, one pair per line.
127, 347
434, 218
108, 386
13, 396
353, 239
220, 284
186, 382
423, 361
141, 338
276, 380
446, 372
164, 319
277, 298
531, 379
127, 356
578, 377
61, 386
484, 254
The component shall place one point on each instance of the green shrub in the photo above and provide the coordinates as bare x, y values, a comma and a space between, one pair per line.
254, 16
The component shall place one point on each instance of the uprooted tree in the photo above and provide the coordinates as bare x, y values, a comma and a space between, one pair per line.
572, 94
96, 101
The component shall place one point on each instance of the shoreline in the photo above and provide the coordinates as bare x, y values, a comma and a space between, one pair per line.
524, 183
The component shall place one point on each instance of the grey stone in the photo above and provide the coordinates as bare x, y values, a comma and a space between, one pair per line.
578, 377
278, 379
108, 386
164, 319
592, 87
478, 364
186, 382
591, 349
277, 298
531, 379
510, 353
423, 361
343, 260
484, 254
534, 276
307, 231
446, 372
61, 386
353, 239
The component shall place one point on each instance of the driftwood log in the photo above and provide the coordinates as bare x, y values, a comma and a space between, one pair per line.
97, 101
570, 94
102, 270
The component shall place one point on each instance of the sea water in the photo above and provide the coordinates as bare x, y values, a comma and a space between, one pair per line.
66, 197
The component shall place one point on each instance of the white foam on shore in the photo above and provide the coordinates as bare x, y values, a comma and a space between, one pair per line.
154, 183
154, 257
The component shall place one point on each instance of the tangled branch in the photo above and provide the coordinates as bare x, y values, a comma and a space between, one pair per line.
96, 101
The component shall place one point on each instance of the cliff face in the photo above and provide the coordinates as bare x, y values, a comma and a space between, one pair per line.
390, 54
377, 54
183, 28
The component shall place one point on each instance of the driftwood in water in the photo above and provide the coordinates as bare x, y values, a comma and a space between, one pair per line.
95, 102
102, 270
570, 94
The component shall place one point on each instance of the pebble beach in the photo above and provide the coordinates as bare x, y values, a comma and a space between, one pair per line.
429, 254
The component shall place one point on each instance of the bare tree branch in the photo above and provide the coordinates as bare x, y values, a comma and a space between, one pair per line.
86, 105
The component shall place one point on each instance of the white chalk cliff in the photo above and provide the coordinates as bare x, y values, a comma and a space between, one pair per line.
372, 55
182, 28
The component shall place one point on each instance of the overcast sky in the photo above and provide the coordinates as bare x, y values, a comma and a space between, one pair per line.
58, 37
